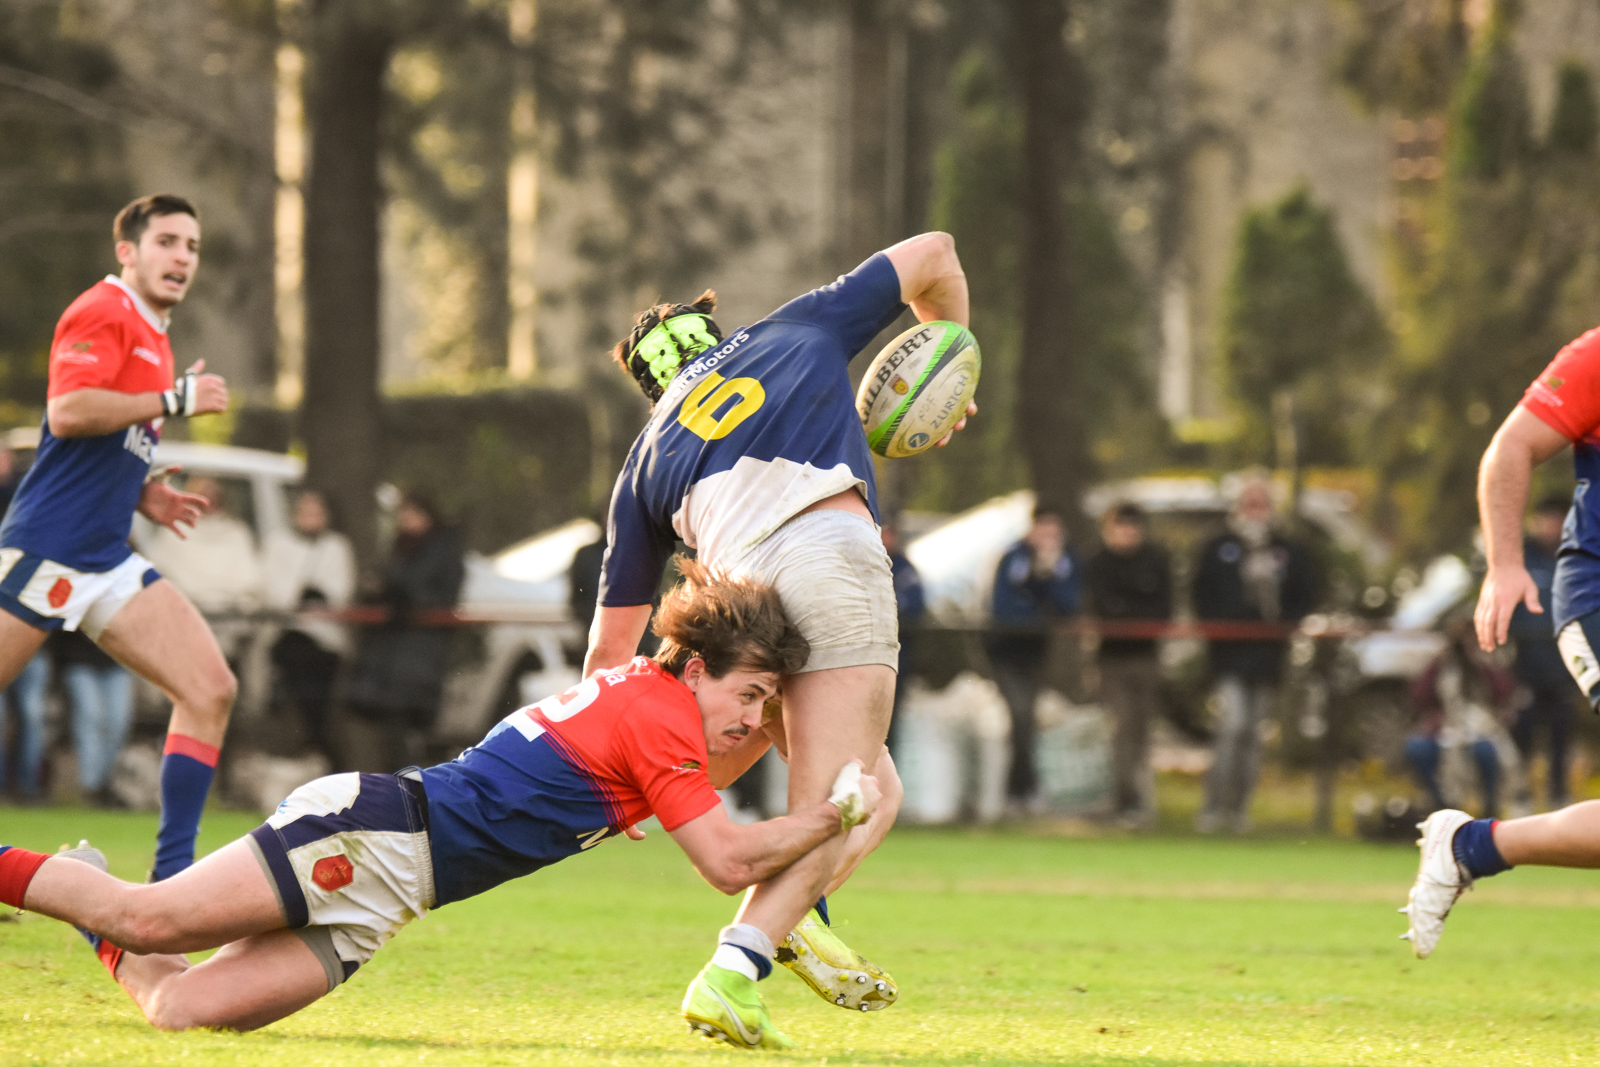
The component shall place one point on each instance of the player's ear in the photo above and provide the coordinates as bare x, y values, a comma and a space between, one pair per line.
694, 672
127, 252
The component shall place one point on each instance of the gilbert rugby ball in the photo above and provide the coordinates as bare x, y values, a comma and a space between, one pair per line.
918, 388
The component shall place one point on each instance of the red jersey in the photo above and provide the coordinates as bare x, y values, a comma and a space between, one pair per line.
1566, 397
76, 504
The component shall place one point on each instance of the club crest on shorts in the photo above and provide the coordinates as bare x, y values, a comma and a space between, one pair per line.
333, 873
59, 593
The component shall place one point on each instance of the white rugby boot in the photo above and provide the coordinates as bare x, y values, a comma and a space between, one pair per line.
1440, 880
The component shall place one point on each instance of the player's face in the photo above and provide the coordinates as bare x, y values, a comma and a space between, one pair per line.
730, 706
161, 266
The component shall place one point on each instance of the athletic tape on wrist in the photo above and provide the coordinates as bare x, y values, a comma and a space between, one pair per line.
181, 398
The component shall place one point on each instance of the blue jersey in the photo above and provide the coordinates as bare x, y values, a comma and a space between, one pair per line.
749, 434
75, 506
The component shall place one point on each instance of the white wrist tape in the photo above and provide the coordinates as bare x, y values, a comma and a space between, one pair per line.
181, 398
847, 796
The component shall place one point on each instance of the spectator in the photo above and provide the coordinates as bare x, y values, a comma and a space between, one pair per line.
398, 678
1548, 690
1036, 582
1130, 579
310, 567
26, 695
911, 603
101, 695
1249, 573
1459, 694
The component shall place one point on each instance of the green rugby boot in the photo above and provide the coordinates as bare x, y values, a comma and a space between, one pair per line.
836, 972
724, 1005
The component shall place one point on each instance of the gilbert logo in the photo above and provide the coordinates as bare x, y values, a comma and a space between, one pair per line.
333, 873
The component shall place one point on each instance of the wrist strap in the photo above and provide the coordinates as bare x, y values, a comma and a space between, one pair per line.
180, 399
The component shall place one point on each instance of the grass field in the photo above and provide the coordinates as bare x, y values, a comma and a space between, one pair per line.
1009, 948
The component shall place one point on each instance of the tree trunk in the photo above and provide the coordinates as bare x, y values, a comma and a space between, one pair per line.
340, 410
1049, 427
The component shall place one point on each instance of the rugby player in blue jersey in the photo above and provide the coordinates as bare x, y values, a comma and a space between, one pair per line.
755, 456
64, 555
305, 899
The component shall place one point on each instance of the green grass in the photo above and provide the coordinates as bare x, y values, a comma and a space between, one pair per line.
1009, 948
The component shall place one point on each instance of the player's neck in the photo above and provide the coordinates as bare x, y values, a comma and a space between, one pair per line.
157, 309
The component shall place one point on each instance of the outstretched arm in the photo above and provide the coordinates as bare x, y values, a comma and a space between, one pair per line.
931, 279
734, 858
93, 412
1522, 443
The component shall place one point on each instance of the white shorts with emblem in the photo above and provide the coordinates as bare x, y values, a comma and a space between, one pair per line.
832, 574
52, 596
349, 858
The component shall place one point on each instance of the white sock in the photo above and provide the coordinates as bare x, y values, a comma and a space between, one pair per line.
734, 959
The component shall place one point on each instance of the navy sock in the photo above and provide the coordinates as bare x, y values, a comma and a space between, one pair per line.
1475, 850
186, 772
763, 965
822, 911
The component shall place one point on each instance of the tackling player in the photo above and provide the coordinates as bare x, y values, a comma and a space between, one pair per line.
1561, 407
64, 555
756, 457
306, 898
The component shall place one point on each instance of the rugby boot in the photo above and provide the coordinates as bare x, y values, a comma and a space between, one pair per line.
1440, 880
835, 972
724, 1005
105, 951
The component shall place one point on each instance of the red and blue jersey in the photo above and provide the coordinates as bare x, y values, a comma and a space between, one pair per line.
563, 775
749, 434
1566, 397
76, 504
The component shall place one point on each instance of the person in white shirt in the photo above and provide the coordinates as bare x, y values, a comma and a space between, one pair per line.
216, 564
307, 568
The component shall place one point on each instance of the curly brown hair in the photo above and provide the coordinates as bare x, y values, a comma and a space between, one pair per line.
730, 623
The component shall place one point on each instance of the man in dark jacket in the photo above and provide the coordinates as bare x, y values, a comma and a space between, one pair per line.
911, 603
1548, 688
1249, 573
1130, 580
1036, 581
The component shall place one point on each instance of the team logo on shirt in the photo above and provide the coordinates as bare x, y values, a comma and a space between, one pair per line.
77, 353
688, 766
1555, 383
146, 355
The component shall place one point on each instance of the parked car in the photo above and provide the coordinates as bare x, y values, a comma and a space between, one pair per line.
526, 639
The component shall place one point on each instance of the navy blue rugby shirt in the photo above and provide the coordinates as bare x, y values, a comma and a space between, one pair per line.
748, 435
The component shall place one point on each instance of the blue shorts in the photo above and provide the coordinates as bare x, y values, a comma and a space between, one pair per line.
349, 859
51, 596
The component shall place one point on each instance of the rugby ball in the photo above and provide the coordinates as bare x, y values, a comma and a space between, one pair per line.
918, 388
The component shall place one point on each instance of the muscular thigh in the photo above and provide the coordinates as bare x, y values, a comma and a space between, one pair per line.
832, 717
18, 643
162, 637
247, 984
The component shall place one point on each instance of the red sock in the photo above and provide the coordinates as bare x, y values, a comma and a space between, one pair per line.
185, 745
110, 955
17, 868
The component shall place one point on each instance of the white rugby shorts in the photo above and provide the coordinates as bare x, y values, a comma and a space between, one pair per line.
832, 575
52, 596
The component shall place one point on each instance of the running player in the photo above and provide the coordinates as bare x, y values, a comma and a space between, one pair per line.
305, 899
1561, 408
756, 457
64, 555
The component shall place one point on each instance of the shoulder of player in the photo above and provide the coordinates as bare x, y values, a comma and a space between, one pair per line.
643, 688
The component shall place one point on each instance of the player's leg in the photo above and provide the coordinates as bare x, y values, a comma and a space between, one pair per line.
864, 839
247, 984
222, 898
159, 635
18, 644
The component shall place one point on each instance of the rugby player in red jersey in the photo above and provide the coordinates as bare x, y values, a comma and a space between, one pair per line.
306, 898
64, 555
1560, 408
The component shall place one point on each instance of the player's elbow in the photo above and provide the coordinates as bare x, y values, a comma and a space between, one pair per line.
729, 877
64, 421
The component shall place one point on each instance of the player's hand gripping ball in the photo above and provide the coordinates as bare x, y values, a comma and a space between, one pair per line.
918, 388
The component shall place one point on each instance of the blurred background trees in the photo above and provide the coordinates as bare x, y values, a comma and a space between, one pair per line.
1336, 236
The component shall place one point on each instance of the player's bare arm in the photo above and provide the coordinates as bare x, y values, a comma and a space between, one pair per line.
1522, 443
166, 506
615, 635
934, 285
733, 858
93, 412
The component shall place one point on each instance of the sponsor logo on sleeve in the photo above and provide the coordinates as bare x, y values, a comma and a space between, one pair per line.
688, 766
147, 355
77, 353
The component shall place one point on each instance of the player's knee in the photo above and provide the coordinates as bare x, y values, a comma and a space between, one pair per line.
215, 693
